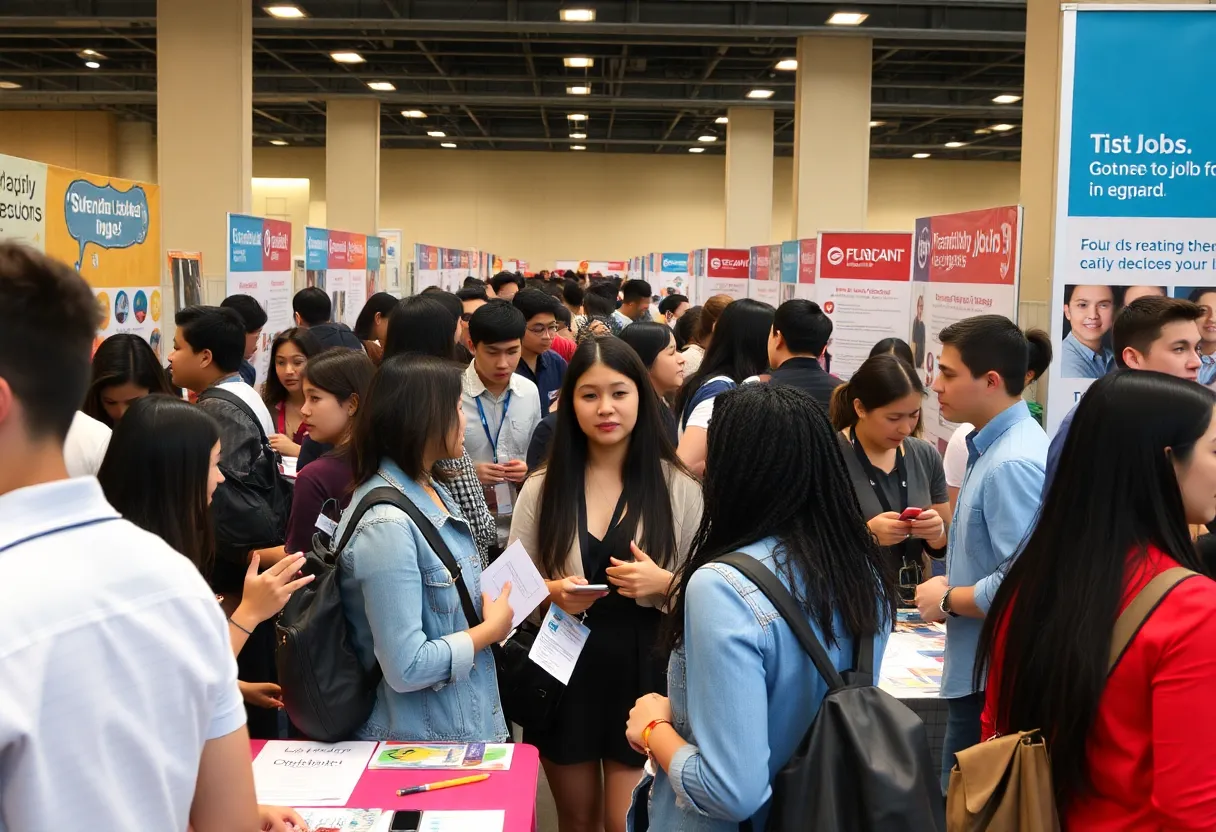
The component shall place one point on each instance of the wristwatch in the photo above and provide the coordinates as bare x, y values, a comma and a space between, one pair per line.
944, 606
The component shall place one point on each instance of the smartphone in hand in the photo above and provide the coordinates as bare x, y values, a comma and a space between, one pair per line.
910, 514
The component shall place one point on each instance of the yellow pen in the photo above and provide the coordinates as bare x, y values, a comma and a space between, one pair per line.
442, 784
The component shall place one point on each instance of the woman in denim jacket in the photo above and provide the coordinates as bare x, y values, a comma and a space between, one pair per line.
742, 690
401, 602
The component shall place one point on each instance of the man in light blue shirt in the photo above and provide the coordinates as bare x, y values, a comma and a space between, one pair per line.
982, 372
1089, 310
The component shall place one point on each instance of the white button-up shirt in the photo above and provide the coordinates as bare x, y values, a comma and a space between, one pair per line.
115, 667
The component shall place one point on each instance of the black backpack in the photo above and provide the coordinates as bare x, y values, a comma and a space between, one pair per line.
250, 511
864, 764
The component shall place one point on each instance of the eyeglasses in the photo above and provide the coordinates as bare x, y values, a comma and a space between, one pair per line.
540, 329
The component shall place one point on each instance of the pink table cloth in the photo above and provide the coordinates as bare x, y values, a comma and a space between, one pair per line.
513, 791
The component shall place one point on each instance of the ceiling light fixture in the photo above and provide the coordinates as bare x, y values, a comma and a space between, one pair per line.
347, 57
953, 145
436, 134
983, 131
877, 123
448, 145
787, 64
413, 114
284, 11
578, 135
9, 85
576, 117
278, 143
577, 15
920, 155
847, 19
760, 94
696, 150
722, 120
92, 64
707, 138
1001, 128
381, 86
578, 90
1007, 99
577, 147
578, 62
89, 53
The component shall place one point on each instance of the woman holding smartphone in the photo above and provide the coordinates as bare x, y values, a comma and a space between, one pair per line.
899, 479
615, 507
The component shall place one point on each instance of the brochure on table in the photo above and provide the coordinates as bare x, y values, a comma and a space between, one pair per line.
722, 271
381, 820
912, 664
966, 264
260, 265
1136, 193
106, 228
291, 773
440, 756
863, 283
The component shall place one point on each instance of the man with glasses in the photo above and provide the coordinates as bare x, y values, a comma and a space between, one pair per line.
538, 362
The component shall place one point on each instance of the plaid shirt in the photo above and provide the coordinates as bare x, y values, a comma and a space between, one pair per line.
466, 489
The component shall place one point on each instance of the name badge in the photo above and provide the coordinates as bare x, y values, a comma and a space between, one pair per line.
502, 498
559, 643
324, 524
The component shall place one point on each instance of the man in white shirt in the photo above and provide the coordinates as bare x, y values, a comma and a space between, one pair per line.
119, 707
501, 408
635, 302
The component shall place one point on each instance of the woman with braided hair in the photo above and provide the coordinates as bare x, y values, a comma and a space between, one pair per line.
743, 692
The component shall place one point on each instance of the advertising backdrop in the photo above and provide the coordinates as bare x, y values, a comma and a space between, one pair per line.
259, 265
722, 271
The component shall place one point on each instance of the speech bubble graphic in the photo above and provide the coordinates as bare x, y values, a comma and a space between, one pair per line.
105, 216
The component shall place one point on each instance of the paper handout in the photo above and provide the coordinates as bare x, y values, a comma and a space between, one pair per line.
289, 773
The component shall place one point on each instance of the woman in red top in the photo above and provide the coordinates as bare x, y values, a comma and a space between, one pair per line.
284, 394
1135, 751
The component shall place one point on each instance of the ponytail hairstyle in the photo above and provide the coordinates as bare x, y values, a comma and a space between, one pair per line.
882, 379
1040, 353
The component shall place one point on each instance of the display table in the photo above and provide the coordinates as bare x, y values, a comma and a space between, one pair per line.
513, 790
912, 672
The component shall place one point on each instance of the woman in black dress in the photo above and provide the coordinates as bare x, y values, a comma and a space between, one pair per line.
613, 506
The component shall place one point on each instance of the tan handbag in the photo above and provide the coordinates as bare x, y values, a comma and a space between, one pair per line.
1004, 785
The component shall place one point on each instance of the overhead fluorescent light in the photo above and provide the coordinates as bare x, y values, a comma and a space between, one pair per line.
578, 135
1007, 99
722, 120
577, 147
413, 114
877, 123
278, 143
89, 53
983, 131
92, 64
347, 57
1001, 128
760, 94
579, 62
920, 155
577, 15
448, 145
787, 64
576, 117
9, 85
436, 134
953, 145
707, 138
847, 19
381, 86
284, 11
696, 150
578, 90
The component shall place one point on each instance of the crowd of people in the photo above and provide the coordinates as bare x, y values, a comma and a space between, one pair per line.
628, 442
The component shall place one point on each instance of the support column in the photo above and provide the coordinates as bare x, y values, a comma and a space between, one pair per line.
749, 177
832, 134
352, 165
136, 151
204, 120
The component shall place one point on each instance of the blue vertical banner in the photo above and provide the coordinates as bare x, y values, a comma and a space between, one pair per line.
1136, 190
259, 265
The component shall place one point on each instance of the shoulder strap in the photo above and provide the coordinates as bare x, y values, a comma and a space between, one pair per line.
384, 495
768, 583
445, 554
234, 399
1141, 608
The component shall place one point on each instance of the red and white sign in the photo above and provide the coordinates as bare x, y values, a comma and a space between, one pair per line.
865, 256
730, 263
972, 247
807, 261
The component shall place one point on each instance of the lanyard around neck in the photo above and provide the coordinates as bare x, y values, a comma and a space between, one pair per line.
873, 474
485, 425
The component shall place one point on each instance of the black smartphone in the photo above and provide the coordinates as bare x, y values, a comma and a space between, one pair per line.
406, 821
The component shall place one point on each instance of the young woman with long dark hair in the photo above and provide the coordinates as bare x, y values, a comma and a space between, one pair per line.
1130, 748
743, 691
878, 414
284, 394
124, 369
612, 506
737, 353
371, 327
655, 344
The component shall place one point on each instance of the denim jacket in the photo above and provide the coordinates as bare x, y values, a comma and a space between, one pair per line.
404, 612
739, 734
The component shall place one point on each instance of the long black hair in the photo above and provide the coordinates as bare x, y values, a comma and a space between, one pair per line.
421, 324
645, 482
648, 339
121, 359
305, 342
774, 469
343, 373
894, 346
739, 348
1115, 494
382, 304
155, 473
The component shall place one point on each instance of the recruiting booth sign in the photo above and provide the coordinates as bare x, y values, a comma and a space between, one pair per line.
260, 265
967, 264
764, 278
725, 271
863, 284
